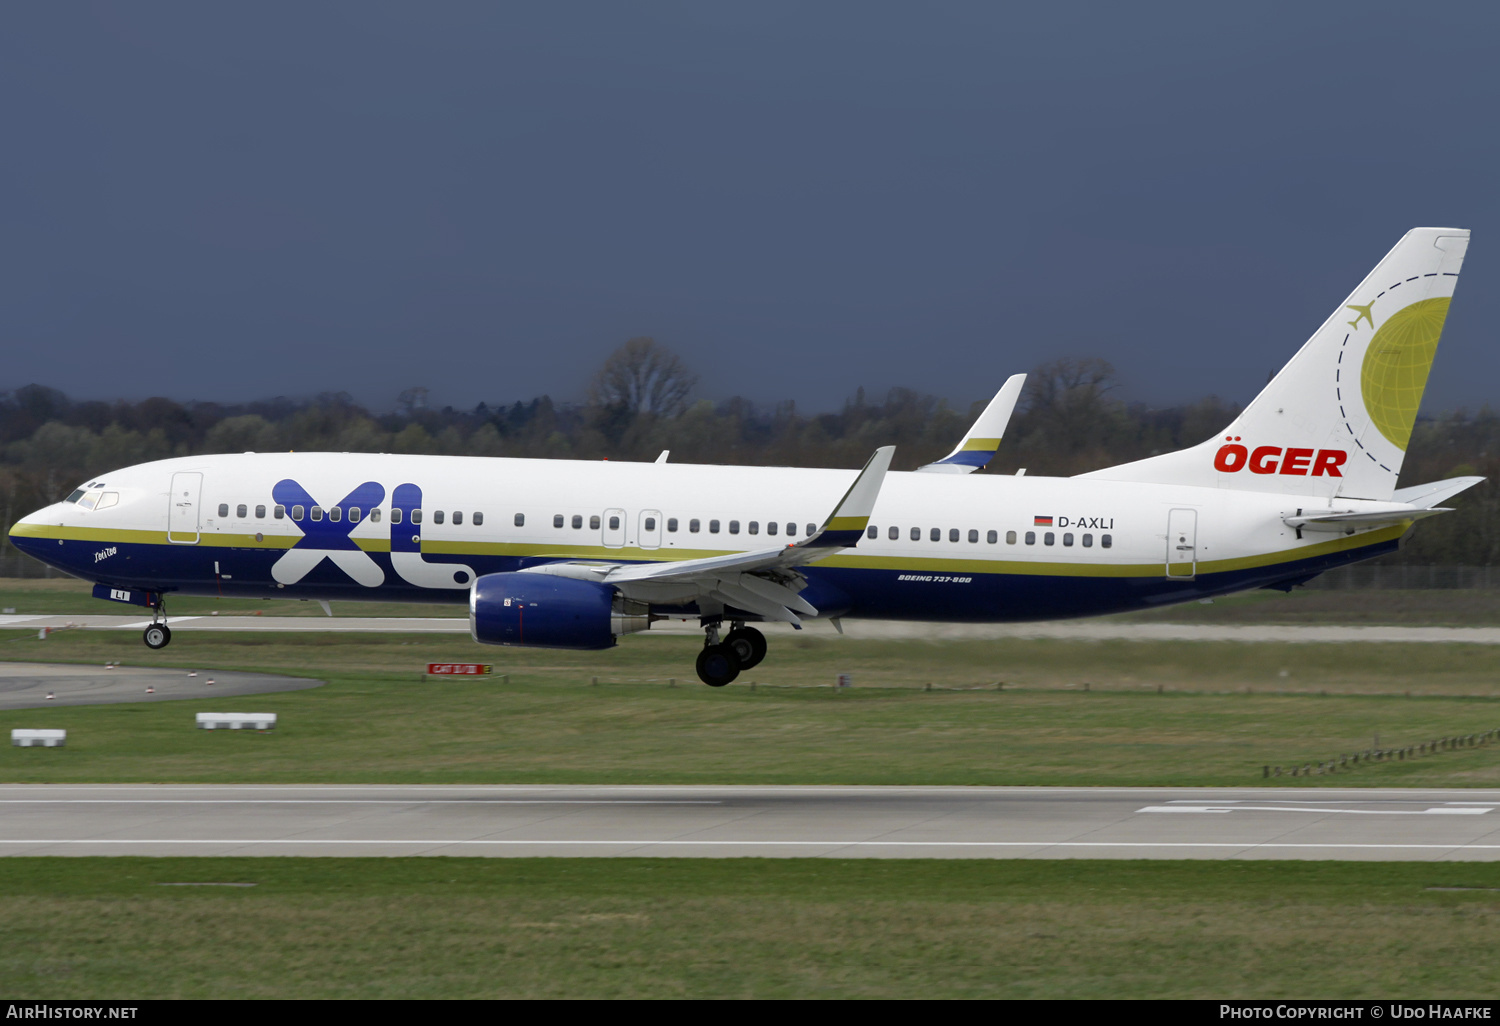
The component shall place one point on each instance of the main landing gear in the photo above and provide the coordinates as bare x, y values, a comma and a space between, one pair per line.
721, 661
158, 635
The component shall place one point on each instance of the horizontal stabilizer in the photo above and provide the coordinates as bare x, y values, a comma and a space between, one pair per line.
1429, 495
1351, 520
983, 440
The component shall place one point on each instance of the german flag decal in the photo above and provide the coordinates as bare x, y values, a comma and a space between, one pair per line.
1041, 521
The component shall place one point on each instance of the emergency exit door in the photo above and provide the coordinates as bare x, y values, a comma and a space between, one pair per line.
1182, 543
182, 508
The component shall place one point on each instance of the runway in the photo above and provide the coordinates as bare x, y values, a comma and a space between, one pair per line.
28, 685
777, 822
856, 630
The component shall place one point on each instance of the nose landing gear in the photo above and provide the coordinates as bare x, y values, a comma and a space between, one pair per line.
721, 662
158, 635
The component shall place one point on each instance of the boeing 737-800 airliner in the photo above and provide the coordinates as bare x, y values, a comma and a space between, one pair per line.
571, 554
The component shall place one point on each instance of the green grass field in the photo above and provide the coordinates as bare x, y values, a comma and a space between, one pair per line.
1224, 710
1431, 607
793, 928
1069, 713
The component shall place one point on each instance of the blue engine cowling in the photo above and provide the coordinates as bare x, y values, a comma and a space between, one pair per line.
542, 611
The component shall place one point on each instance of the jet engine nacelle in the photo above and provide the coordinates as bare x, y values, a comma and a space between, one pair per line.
543, 611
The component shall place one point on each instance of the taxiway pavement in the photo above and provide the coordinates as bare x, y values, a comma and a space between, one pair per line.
888, 822
884, 630
41, 685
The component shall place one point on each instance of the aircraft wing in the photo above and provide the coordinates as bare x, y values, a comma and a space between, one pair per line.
762, 581
983, 440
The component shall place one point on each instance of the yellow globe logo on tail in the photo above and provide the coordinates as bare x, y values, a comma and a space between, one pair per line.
1396, 366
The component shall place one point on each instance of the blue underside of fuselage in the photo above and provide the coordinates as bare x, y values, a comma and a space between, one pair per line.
835, 591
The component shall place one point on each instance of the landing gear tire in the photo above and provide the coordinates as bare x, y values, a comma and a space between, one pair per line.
749, 644
718, 665
158, 635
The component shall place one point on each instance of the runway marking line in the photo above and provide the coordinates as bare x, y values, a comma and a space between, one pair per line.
1440, 811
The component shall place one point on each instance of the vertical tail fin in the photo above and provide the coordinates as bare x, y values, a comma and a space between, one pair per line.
1337, 419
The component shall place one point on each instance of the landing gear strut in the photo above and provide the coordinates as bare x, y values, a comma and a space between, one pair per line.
718, 664
158, 635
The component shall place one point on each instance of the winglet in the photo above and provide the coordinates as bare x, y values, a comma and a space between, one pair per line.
982, 441
846, 525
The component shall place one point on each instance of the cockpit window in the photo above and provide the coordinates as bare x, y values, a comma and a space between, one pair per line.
107, 500
74, 497
88, 500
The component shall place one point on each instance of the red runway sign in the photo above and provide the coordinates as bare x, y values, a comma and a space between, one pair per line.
459, 669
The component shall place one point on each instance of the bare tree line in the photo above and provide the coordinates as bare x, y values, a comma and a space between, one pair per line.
640, 402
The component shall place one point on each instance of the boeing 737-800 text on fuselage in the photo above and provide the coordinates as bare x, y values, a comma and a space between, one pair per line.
569, 554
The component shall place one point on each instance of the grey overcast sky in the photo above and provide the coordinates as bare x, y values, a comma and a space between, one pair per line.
233, 201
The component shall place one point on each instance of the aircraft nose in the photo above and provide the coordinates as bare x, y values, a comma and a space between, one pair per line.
24, 534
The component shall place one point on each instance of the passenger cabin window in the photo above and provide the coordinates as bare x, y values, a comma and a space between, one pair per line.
650, 523
374, 516
893, 533
557, 520
1088, 541
437, 518
1010, 537
812, 529
1068, 538
1105, 541
260, 512
614, 523
713, 527
223, 508
478, 518
791, 530
520, 520
953, 534
1049, 538
416, 516
974, 537
936, 534
279, 512
336, 514
754, 527
594, 523
734, 527
317, 512
395, 514
458, 517
671, 525
242, 511
354, 514
296, 512
872, 532
771, 526
577, 522
916, 534
1030, 537
692, 527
